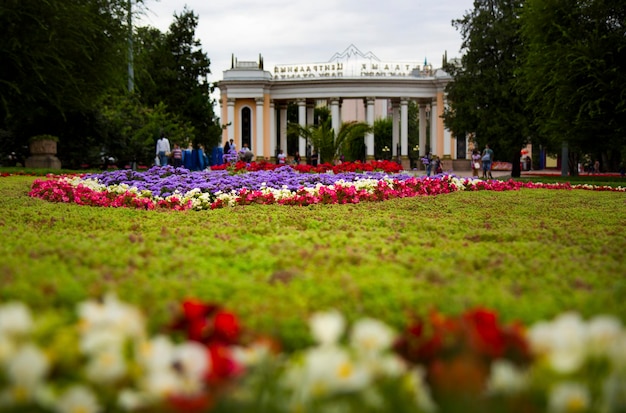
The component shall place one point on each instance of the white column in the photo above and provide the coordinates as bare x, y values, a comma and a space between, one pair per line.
422, 129
447, 143
369, 115
257, 143
334, 114
404, 127
395, 128
272, 129
231, 121
283, 127
301, 122
434, 145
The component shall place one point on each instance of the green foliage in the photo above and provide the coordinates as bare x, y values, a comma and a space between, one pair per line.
173, 71
44, 138
134, 129
61, 60
383, 138
276, 265
57, 56
483, 97
574, 72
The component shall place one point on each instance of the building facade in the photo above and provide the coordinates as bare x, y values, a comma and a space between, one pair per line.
355, 86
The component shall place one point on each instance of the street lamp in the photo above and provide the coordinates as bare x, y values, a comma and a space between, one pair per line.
415, 154
386, 151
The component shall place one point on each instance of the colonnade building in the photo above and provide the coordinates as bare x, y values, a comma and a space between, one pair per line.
354, 85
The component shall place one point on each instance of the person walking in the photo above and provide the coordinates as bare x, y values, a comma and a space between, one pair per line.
428, 164
487, 162
281, 157
177, 156
163, 149
475, 163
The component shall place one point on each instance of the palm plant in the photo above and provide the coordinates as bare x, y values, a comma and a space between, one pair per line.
323, 138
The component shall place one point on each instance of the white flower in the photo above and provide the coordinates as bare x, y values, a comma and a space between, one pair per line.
563, 342
106, 365
96, 340
371, 336
387, 365
78, 399
28, 366
330, 369
192, 360
327, 327
505, 378
569, 397
159, 384
113, 315
15, 319
129, 399
603, 332
173, 369
156, 353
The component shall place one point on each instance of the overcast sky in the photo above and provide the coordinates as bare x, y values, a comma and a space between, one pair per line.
312, 31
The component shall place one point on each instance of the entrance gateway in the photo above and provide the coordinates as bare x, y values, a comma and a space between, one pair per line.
356, 86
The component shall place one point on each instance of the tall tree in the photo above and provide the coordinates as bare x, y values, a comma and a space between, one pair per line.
58, 56
574, 72
483, 98
173, 70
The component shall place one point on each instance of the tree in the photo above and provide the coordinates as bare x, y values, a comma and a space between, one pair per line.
574, 72
58, 56
483, 96
133, 129
173, 70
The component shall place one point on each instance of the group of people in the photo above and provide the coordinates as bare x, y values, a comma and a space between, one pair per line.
191, 159
432, 163
281, 158
230, 150
482, 161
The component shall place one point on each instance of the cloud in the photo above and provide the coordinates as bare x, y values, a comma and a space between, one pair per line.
305, 31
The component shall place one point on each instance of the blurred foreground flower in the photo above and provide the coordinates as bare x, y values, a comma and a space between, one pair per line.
105, 360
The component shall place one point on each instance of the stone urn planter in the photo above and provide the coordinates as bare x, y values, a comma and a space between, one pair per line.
43, 150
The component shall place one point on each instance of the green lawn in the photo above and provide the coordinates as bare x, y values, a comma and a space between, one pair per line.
529, 254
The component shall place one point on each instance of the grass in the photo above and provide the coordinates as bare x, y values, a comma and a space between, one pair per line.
528, 254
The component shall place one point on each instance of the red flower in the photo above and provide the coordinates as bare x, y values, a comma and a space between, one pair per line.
223, 365
484, 334
225, 327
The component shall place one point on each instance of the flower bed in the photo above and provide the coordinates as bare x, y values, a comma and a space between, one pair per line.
105, 359
180, 189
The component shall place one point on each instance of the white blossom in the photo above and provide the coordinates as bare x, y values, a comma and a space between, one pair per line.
327, 327
505, 378
15, 319
107, 365
78, 398
569, 397
28, 366
371, 336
